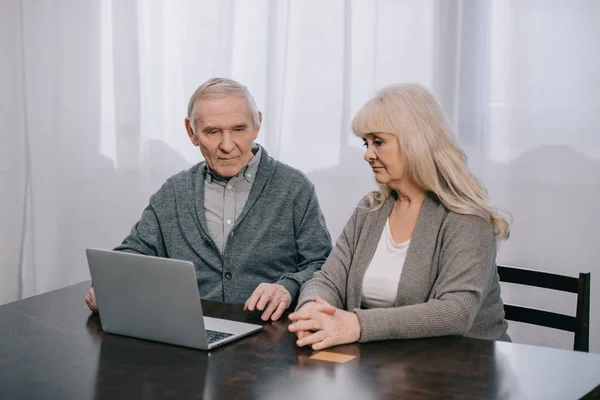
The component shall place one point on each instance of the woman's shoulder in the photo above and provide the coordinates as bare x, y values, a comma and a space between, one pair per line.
453, 220
467, 227
368, 210
468, 221
364, 204
372, 204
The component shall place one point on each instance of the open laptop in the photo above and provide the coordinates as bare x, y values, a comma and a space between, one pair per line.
156, 299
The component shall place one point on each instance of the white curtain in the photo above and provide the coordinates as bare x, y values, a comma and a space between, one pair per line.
93, 97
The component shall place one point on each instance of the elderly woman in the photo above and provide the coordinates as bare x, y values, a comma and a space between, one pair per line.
417, 257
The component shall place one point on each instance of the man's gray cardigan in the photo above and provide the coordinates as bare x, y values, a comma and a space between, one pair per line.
449, 284
279, 237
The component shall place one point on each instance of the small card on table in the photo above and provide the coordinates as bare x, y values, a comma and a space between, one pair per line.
332, 357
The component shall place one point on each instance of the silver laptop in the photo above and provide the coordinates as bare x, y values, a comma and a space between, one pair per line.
156, 299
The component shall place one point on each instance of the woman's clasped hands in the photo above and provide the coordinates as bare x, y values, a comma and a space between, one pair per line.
321, 325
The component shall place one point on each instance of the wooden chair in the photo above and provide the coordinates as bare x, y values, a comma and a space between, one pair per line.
579, 324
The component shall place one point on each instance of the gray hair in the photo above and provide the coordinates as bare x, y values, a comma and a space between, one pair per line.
218, 88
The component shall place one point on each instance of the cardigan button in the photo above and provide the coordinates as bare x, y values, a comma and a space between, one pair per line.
228, 275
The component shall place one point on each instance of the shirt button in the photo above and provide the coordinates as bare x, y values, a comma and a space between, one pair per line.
227, 275
228, 222
229, 186
249, 175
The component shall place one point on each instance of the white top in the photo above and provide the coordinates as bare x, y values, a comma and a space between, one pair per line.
380, 284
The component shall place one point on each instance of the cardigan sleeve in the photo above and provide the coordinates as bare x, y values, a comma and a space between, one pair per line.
146, 235
313, 245
330, 282
464, 277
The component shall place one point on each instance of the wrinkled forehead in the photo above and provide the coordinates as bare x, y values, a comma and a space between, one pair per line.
230, 109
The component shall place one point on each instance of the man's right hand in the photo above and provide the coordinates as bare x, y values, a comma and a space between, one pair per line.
90, 300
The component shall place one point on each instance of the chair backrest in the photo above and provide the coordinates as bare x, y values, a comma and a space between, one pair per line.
579, 324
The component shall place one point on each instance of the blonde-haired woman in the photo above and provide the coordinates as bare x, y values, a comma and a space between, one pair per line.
417, 258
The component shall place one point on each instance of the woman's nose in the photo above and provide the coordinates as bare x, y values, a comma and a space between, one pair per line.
369, 154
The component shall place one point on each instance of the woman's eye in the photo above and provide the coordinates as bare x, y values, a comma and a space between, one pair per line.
377, 142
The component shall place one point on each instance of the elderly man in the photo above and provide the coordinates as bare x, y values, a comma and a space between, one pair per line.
251, 225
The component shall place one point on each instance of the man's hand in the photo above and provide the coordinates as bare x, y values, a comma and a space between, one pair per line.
273, 298
326, 329
90, 300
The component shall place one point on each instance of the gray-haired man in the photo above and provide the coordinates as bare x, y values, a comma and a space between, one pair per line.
251, 225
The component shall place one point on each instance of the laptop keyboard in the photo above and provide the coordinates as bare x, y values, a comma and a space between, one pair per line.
214, 336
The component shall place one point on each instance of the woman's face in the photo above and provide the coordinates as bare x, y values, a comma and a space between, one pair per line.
384, 156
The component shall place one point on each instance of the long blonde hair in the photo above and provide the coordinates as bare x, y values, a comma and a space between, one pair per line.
433, 158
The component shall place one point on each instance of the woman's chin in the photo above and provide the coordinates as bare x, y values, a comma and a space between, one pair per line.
382, 180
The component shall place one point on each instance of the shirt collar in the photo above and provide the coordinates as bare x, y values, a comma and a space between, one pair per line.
248, 171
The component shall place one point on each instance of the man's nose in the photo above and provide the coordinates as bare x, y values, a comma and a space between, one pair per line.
227, 144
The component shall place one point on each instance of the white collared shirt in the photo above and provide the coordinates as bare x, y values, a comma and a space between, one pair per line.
224, 199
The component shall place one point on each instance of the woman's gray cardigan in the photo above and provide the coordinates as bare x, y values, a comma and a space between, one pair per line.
449, 283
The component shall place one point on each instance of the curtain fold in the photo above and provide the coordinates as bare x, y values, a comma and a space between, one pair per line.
14, 174
94, 94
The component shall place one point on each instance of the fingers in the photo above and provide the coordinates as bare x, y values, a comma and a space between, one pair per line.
256, 295
326, 307
304, 308
306, 325
280, 310
90, 300
317, 340
264, 300
307, 312
91, 305
302, 334
273, 298
329, 310
325, 343
271, 306
277, 304
311, 339
303, 313
308, 309
319, 300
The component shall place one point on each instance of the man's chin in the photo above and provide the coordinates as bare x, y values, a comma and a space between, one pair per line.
228, 172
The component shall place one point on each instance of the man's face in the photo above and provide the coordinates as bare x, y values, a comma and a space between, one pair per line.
224, 130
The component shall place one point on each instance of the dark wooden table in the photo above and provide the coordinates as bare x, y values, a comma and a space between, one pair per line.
51, 348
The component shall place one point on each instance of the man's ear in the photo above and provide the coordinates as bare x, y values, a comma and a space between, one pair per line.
190, 132
260, 124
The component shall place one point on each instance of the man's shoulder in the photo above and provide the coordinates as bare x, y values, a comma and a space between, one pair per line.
289, 175
182, 177
178, 182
